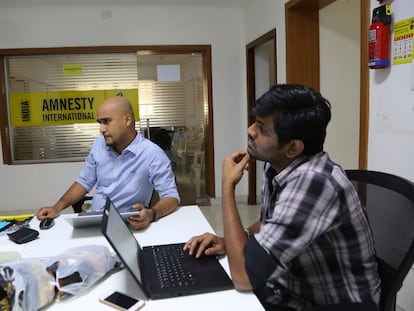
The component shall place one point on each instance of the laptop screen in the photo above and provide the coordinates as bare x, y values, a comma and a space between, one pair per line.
120, 236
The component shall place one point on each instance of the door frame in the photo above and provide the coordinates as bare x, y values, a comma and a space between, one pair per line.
302, 34
251, 97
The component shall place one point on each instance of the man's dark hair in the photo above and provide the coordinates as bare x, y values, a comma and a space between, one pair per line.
298, 112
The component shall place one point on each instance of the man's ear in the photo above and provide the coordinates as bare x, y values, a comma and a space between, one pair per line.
128, 119
294, 148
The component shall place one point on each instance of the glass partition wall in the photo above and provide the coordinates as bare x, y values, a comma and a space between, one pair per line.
173, 110
52, 102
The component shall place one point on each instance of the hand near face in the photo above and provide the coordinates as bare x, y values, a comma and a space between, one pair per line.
233, 167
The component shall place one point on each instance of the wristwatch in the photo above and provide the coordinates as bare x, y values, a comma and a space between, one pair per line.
154, 213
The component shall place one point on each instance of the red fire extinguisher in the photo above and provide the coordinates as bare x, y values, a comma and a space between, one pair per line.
379, 38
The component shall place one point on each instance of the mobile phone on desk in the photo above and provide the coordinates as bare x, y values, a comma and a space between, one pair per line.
122, 301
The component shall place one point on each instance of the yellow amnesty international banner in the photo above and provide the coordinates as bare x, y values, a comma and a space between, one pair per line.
58, 108
72, 69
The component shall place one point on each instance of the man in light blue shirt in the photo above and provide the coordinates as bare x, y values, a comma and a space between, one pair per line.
125, 167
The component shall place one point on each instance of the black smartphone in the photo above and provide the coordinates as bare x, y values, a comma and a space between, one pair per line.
122, 301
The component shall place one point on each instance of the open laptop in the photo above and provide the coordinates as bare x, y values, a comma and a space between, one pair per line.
91, 219
151, 271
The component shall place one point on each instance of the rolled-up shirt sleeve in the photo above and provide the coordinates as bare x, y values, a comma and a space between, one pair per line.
87, 177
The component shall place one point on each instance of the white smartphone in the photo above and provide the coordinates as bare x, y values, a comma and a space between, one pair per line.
122, 301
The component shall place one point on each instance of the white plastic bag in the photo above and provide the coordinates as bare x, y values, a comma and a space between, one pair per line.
78, 268
31, 284
25, 285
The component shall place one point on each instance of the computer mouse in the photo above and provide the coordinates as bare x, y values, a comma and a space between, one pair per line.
46, 223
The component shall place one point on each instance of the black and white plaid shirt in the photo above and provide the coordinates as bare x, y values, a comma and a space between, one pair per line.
314, 227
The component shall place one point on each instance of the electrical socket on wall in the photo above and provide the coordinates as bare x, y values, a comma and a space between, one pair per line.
106, 13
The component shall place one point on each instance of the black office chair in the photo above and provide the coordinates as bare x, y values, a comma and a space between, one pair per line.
77, 207
389, 200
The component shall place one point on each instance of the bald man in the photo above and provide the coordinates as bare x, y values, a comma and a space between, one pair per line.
123, 166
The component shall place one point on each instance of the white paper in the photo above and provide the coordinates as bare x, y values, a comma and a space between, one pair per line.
167, 73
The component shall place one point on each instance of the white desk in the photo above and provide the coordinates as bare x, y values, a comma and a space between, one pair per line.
177, 227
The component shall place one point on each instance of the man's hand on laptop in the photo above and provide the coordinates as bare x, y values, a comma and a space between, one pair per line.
142, 220
206, 244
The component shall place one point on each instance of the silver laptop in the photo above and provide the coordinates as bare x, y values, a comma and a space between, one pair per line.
91, 219
162, 271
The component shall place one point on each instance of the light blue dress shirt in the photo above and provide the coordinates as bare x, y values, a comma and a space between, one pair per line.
127, 178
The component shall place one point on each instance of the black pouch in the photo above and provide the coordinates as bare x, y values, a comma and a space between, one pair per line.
23, 235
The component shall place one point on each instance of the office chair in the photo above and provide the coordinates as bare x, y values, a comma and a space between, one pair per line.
77, 207
389, 201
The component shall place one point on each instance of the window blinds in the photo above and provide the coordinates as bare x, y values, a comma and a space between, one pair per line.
166, 104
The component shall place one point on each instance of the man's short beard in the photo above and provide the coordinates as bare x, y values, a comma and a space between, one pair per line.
252, 157
110, 144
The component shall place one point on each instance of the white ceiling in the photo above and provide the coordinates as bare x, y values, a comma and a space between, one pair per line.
237, 3
190, 2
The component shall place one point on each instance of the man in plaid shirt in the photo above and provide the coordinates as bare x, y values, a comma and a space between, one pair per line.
313, 245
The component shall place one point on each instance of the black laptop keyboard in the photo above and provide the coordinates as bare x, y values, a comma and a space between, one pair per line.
170, 269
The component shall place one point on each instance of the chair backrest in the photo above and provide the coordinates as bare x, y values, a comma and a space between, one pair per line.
389, 201
77, 207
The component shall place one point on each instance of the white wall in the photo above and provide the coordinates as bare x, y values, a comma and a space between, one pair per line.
391, 125
339, 42
40, 24
260, 17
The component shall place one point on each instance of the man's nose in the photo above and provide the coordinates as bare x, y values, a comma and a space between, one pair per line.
251, 133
